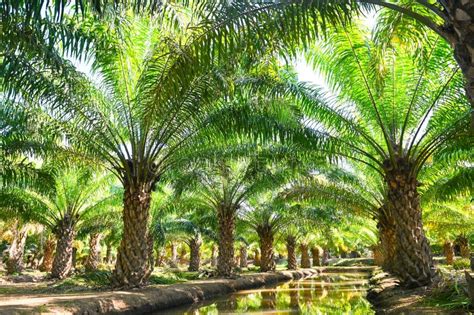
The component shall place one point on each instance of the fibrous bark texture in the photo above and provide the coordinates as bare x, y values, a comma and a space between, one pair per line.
256, 258
151, 256
160, 256
108, 254
413, 260
132, 266
174, 255
460, 33
182, 255
291, 250
226, 221
48, 255
463, 243
214, 256
315, 254
17, 248
325, 258
62, 263
195, 253
93, 259
387, 237
243, 256
265, 235
448, 249
305, 260
378, 255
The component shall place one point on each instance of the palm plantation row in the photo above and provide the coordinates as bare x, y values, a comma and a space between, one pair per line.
188, 121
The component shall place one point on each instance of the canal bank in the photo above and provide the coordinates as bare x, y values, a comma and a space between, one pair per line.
144, 300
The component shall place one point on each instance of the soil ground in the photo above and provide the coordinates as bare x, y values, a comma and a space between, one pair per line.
388, 297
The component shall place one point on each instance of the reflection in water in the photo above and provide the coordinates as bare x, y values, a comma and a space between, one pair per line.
269, 300
294, 296
337, 293
228, 304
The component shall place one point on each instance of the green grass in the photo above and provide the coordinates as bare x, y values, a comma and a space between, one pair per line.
92, 281
462, 263
449, 297
171, 277
450, 292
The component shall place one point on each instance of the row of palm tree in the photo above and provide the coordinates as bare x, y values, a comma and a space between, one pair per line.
189, 95
77, 199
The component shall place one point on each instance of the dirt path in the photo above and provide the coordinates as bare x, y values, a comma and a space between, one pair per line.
388, 298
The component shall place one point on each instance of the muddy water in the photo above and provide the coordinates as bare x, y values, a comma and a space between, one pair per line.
329, 293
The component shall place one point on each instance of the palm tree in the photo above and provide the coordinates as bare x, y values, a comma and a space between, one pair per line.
445, 221
352, 187
26, 136
48, 254
112, 240
16, 250
180, 218
291, 234
388, 124
224, 186
192, 230
140, 109
266, 219
99, 225
77, 192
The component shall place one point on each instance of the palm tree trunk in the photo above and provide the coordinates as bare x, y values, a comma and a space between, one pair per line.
324, 261
132, 266
160, 255
214, 255
413, 260
378, 255
174, 255
151, 256
243, 257
108, 254
74, 258
62, 263
48, 255
448, 249
195, 253
305, 261
460, 34
93, 259
388, 240
182, 255
267, 263
256, 258
463, 243
17, 249
291, 250
226, 221
315, 254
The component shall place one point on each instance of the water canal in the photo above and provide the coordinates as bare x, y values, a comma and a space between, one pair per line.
326, 293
